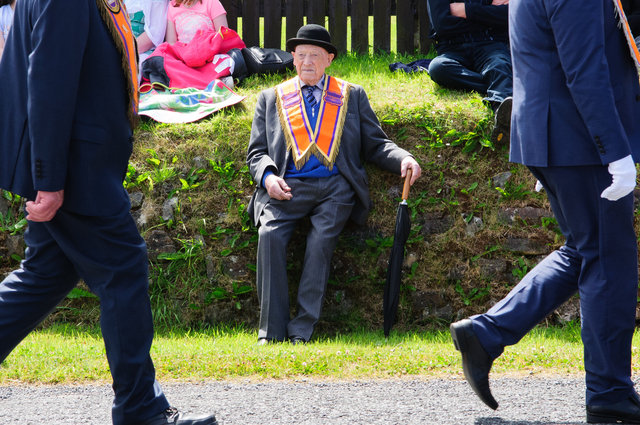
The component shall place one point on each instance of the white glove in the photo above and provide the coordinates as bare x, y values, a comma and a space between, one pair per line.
623, 172
539, 186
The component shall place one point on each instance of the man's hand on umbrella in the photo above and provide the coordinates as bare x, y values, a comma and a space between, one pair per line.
277, 188
45, 207
410, 163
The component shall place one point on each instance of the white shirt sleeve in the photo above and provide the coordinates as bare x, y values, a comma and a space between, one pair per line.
155, 20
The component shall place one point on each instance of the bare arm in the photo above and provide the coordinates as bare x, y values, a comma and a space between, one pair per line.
144, 42
458, 10
220, 21
171, 37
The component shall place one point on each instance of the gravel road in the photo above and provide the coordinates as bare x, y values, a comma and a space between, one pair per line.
523, 401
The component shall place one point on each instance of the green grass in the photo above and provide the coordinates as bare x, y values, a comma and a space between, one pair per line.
67, 354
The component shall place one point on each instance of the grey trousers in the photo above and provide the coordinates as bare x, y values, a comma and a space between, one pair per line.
328, 203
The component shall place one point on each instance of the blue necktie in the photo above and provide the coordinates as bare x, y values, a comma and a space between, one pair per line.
311, 99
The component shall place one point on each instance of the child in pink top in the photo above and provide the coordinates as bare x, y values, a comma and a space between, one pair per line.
186, 17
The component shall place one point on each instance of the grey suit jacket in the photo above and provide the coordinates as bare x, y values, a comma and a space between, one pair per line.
362, 140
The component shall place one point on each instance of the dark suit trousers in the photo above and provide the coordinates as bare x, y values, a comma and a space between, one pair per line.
484, 67
109, 254
598, 261
328, 203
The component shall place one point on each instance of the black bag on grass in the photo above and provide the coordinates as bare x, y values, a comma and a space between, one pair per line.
267, 60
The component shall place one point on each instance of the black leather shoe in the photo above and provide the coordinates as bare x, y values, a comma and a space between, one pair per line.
623, 412
295, 340
171, 416
502, 126
476, 363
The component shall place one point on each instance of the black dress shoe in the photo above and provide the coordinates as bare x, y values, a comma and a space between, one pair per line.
295, 340
623, 412
171, 416
476, 363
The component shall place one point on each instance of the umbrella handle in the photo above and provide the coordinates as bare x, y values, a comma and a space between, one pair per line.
407, 185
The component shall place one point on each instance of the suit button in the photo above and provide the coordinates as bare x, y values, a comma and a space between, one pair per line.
638, 98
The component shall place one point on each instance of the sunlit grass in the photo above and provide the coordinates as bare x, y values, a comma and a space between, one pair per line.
65, 354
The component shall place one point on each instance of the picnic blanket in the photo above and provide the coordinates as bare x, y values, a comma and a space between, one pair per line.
187, 105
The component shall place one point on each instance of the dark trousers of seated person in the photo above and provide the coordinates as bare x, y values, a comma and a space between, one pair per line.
328, 203
484, 67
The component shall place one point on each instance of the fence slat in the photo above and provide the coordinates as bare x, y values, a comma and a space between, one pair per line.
273, 23
405, 24
295, 12
316, 12
338, 24
382, 25
232, 9
251, 22
412, 20
423, 22
360, 26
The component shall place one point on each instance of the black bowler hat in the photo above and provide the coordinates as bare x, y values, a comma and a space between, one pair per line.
312, 34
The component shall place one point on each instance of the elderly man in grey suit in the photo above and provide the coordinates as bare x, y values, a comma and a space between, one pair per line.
308, 140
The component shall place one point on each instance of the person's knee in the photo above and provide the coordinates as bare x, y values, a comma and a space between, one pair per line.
438, 70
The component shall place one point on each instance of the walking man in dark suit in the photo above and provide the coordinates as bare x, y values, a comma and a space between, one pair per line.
308, 140
65, 143
575, 125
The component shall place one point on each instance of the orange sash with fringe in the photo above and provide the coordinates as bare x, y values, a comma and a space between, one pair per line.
324, 139
116, 18
624, 24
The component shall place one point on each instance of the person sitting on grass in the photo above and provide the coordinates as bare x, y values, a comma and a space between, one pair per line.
472, 41
309, 138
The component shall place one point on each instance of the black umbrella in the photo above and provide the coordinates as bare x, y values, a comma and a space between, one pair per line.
392, 285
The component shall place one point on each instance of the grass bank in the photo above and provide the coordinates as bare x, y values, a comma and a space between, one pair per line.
64, 354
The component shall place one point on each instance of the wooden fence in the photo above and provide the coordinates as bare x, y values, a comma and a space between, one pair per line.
412, 22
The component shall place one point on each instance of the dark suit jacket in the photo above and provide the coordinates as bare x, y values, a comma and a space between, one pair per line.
63, 105
362, 139
575, 89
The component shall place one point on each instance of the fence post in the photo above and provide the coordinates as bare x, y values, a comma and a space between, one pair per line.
360, 26
273, 23
294, 12
251, 22
316, 12
338, 24
425, 24
382, 25
405, 23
